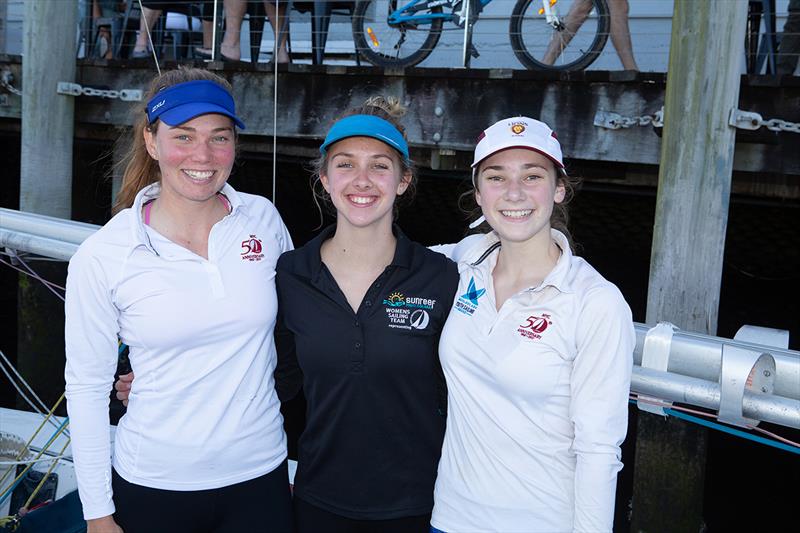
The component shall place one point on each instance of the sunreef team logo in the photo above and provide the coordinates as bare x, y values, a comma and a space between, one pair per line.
467, 303
534, 326
408, 312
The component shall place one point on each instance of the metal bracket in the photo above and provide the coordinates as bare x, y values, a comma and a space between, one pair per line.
655, 355
745, 120
75, 89
745, 369
608, 120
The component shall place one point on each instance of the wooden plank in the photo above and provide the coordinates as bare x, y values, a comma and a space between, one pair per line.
310, 98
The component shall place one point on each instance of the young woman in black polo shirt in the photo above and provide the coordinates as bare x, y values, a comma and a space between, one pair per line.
365, 307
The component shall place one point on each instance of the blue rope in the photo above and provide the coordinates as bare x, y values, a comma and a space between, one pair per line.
735, 432
10, 490
730, 430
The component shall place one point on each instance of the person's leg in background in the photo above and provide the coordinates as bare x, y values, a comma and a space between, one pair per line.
234, 14
147, 20
573, 20
789, 48
621, 33
277, 21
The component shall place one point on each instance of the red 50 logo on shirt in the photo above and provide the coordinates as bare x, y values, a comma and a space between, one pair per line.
534, 326
251, 249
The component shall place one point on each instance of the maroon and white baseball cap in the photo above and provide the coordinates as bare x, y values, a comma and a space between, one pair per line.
518, 132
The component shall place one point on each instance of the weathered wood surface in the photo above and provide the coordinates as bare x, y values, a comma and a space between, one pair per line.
689, 243
311, 97
45, 182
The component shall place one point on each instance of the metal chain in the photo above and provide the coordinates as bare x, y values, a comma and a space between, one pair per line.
750, 120
745, 120
615, 121
6, 78
75, 89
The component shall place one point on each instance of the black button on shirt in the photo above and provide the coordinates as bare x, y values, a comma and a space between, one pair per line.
372, 380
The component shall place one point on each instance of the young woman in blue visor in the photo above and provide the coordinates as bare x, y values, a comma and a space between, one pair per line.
184, 275
366, 306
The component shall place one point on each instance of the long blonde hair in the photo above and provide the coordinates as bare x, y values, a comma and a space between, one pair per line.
140, 169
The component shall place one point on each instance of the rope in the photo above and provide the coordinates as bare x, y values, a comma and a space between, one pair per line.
149, 37
278, 36
7, 492
780, 443
44, 478
35, 433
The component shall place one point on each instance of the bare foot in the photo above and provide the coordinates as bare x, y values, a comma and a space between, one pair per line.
231, 52
283, 56
104, 43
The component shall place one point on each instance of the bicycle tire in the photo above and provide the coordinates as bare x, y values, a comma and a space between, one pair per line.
532, 37
377, 48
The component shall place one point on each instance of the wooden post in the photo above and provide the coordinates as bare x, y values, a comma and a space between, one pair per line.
49, 49
688, 241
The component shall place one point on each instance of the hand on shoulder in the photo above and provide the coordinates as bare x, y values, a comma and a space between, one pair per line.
105, 524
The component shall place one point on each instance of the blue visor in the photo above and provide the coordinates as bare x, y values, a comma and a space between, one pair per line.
185, 101
366, 126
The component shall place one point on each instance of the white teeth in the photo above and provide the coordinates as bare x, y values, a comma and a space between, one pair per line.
362, 199
516, 214
199, 174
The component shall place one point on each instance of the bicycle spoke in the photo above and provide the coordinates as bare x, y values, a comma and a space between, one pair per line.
571, 38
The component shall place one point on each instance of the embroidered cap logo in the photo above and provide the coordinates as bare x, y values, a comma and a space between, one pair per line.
517, 128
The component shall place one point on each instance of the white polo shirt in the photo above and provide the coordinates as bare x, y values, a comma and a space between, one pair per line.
203, 412
537, 398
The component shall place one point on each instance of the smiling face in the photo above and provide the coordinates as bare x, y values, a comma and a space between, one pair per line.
364, 176
195, 157
516, 189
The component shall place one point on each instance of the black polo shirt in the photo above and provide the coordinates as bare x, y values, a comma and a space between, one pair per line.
373, 383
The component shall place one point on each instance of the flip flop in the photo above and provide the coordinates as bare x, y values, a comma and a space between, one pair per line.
202, 53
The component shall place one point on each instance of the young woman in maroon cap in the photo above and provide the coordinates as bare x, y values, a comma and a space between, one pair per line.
537, 352
184, 275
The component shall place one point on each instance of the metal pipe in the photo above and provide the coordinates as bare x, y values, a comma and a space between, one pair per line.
704, 393
37, 244
694, 363
700, 356
45, 226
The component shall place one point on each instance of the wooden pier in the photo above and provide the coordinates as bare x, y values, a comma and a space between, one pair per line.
449, 107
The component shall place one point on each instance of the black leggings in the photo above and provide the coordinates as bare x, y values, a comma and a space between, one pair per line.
311, 519
262, 504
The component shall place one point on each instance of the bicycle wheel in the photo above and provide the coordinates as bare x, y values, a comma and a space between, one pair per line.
563, 43
392, 45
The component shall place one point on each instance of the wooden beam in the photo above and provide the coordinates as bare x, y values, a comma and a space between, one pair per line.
697, 152
49, 49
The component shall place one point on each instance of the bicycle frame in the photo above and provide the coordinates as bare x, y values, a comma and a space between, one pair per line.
408, 13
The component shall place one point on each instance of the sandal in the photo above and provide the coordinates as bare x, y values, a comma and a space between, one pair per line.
140, 54
202, 53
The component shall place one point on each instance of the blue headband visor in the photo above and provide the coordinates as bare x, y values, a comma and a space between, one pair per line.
185, 101
366, 126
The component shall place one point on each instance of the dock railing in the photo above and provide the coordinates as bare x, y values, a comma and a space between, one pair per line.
746, 380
